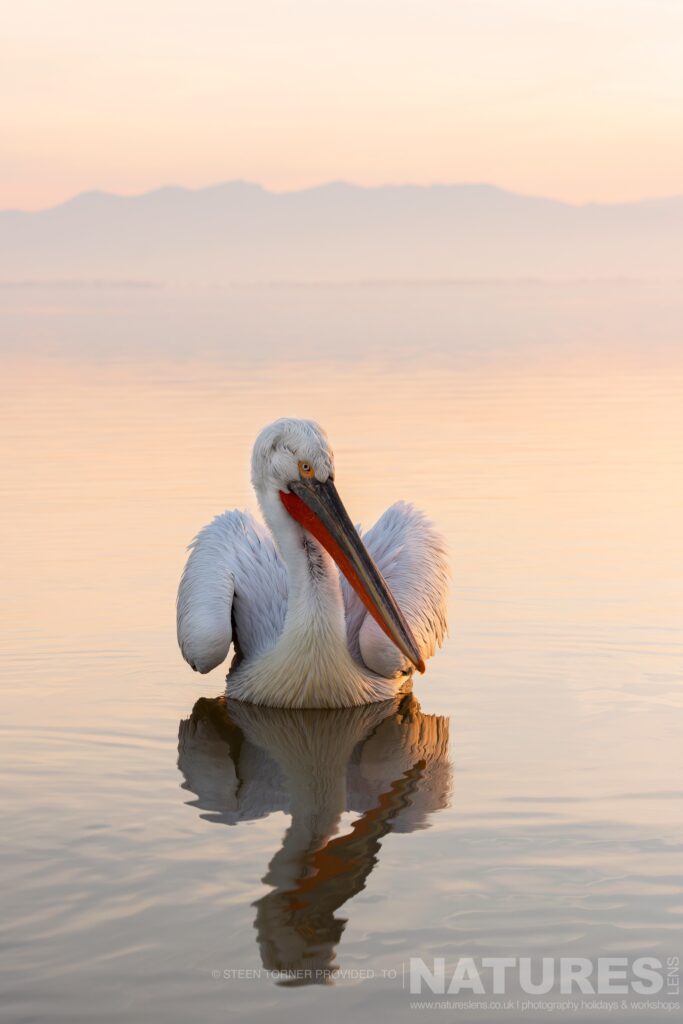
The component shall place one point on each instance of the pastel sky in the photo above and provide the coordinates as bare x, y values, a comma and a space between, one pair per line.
576, 99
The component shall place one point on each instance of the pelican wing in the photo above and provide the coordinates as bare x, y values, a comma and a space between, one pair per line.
411, 555
233, 589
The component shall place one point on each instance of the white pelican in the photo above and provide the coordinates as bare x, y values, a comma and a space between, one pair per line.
303, 635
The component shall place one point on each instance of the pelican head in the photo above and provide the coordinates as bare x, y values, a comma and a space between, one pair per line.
292, 473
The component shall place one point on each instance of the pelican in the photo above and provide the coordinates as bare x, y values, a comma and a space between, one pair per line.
304, 635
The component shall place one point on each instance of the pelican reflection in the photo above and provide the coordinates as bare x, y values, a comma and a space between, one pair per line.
387, 762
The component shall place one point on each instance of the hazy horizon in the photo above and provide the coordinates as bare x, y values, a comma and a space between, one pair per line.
242, 233
494, 186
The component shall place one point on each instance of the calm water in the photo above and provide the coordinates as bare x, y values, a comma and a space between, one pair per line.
526, 800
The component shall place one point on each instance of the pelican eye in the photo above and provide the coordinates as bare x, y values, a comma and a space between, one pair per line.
306, 470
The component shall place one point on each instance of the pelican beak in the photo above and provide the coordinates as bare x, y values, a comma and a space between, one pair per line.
319, 509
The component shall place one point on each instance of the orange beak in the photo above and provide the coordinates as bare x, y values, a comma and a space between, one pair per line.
318, 508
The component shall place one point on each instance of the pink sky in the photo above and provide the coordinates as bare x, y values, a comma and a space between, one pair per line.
576, 99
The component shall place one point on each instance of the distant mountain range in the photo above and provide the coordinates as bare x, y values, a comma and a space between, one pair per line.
240, 232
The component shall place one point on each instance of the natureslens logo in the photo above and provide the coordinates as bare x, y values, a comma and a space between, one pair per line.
605, 975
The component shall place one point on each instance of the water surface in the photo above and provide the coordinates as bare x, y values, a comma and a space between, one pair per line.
524, 801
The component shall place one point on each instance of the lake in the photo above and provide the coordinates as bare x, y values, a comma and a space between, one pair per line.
166, 853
